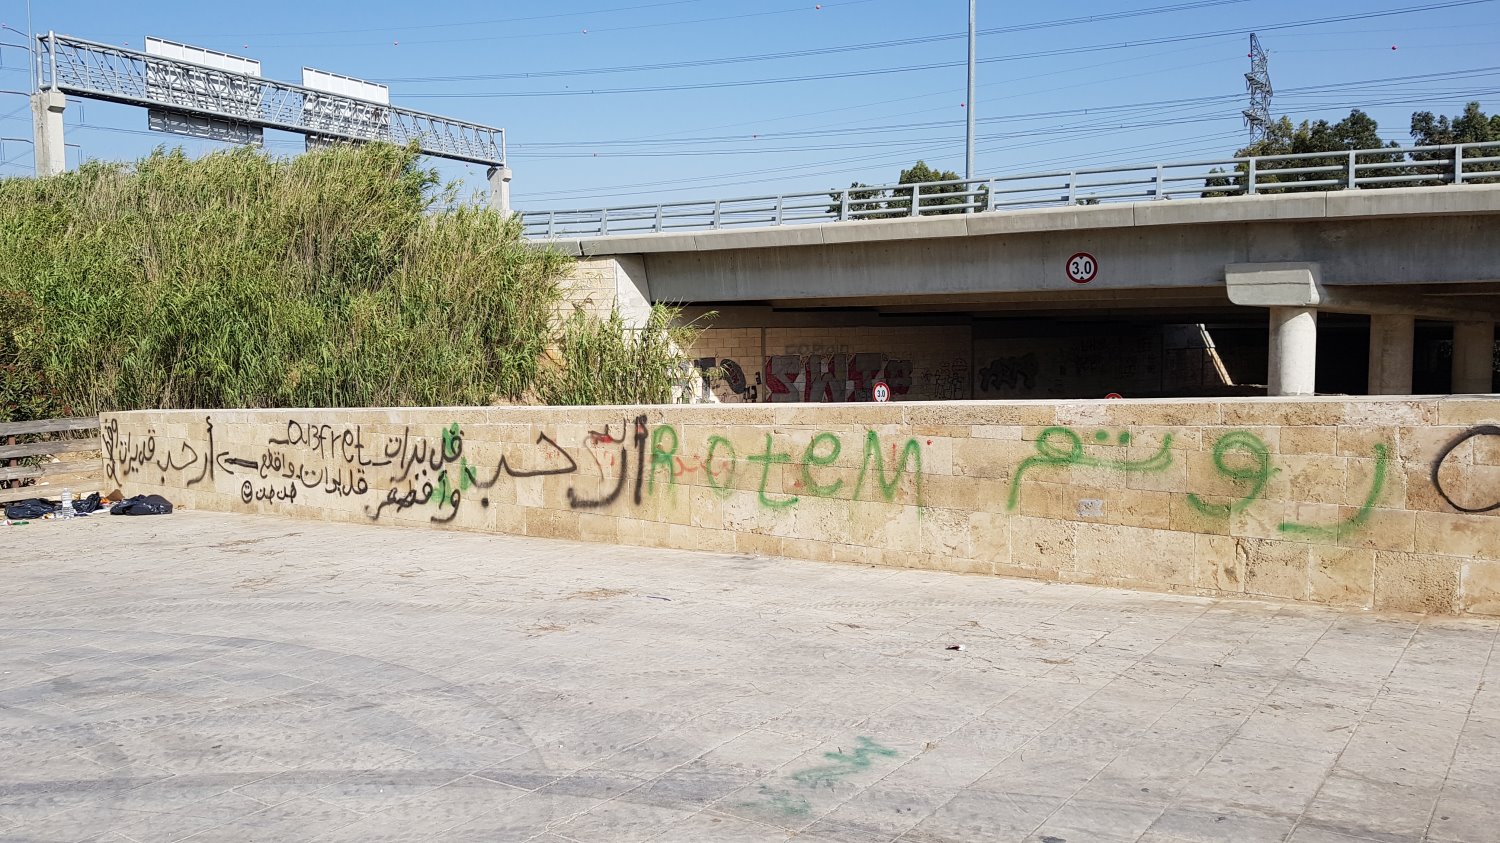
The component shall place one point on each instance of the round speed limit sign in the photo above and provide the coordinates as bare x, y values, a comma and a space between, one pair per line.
882, 391
1082, 268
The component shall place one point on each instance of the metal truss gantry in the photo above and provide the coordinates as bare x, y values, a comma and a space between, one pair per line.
73, 66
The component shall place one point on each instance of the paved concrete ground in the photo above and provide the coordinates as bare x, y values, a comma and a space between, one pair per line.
213, 677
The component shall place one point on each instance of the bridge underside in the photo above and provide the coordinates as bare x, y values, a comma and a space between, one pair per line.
1379, 291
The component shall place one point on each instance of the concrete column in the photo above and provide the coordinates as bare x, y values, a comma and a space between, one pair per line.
1391, 340
1473, 357
47, 132
1294, 351
500, 189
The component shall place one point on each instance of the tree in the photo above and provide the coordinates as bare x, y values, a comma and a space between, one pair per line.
920, 174
875, 203
1357, 131
1473, 126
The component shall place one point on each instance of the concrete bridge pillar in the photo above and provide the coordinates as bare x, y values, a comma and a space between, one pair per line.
1294, 351
1391, 341
1473, 357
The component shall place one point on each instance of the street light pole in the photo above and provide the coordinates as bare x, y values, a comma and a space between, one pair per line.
969, 102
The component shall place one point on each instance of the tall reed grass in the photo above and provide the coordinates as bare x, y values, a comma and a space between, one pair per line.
344, 277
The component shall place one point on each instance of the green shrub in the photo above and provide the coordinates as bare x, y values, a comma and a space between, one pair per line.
342, 277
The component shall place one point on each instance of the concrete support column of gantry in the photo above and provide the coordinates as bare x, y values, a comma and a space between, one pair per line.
47, 137
1392, 339
499, 178
1473, 357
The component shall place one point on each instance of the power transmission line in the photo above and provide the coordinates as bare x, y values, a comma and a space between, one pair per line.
811, 77
820, 51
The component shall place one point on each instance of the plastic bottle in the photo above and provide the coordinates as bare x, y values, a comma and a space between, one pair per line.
66, 510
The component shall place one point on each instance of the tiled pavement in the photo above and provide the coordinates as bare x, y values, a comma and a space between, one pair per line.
213, 677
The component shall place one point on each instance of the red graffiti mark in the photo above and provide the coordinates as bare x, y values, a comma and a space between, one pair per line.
683, 468
929, 441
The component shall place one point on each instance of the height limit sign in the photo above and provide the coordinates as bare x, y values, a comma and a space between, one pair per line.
1082, 268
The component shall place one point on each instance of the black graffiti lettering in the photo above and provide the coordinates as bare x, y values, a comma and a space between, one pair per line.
504, 466
1437, 465
249, 493
393, 497
640, 456
453, 498
208, 464
293, 434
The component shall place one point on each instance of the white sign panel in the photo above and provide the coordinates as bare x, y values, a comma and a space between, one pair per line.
203, 88
361, 108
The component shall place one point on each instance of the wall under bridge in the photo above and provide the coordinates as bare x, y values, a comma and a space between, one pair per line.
1383, 503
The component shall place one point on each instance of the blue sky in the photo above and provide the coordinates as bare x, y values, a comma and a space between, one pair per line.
1055, 90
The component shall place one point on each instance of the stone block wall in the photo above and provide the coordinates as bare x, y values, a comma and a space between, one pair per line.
1386, 504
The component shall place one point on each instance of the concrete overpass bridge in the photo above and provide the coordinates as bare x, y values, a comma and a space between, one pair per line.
1403, 273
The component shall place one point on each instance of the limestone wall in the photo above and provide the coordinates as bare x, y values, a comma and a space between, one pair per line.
1390, 504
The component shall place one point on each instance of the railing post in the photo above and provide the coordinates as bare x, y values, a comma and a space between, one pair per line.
916, 200
780, 200
989, 202
1072, 188
1353, 171
1160, 181
1250, 182
718, 211
658, 219
604, 221
1458, 164
843, 205
551, 223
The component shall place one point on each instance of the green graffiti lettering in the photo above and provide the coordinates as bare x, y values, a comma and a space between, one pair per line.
912, 452
782, 802
1256, 475
811, 458
662, 457
453, 442
768, 459
842, 766
443, 493
1336, 532
714, 444
1061, 447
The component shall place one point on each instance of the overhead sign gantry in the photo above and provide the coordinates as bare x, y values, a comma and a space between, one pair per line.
208, 94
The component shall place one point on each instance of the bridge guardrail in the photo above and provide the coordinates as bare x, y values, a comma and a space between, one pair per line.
1467, 163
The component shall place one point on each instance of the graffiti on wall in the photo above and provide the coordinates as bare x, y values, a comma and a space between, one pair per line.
434, 473
1016, 374
1475, 500
832, 377
393, 473
1240, 459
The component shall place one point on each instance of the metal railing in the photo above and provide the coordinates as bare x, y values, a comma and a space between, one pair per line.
1468, 163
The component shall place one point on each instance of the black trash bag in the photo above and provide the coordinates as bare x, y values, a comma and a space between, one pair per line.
87, 505
142, 505
29, 508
